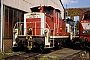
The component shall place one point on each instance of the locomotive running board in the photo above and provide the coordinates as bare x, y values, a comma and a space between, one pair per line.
59, 36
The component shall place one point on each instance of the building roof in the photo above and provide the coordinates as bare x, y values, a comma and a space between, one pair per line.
25, 5
57, 4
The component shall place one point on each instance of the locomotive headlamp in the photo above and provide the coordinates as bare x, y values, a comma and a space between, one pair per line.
15, 31
45, 31
84, 31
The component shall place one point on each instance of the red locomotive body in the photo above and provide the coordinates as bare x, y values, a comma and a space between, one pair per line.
43, 29
84, 29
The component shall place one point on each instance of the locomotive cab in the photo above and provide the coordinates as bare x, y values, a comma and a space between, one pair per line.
84, 30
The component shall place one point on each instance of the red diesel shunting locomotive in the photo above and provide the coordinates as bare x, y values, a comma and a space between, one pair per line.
84, 30
42, 28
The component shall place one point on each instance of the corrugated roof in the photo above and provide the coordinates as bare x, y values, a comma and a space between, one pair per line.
25, 5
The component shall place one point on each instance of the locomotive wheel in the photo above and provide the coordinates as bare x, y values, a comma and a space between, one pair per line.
57, 45
67, 42
15, 49
42, 48
83, 43
39, 48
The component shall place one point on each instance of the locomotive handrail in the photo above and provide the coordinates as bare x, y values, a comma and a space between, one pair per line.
29, 22
22, 23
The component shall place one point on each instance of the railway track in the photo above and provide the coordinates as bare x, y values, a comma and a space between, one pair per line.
22, 56
62, 54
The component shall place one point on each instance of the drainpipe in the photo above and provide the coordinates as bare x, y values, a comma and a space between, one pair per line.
1, 22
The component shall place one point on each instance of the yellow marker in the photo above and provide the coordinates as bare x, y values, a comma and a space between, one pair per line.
29, 38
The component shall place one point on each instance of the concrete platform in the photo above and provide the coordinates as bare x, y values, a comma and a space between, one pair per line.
63, 53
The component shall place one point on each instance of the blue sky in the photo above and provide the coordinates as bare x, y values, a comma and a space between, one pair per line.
76, 3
